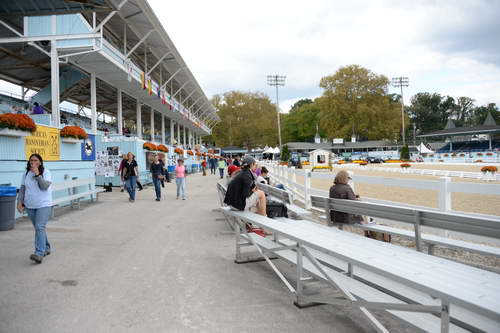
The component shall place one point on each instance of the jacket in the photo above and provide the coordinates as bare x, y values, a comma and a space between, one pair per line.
239, 189
343, 191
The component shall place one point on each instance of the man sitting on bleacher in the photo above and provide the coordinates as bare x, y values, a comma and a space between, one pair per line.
242, 194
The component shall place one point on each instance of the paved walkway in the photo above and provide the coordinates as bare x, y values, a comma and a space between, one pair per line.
149, 267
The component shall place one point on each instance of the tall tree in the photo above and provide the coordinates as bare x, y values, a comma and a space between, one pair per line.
300, 123
355, 101
430, 112
247, 120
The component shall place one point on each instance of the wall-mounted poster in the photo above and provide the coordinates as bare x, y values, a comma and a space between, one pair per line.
88, 148
107, 165
44, 141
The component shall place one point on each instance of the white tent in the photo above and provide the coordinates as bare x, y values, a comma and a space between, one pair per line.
269, 150
276, 150
424, 150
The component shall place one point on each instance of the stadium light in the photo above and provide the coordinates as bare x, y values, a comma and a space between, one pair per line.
277, 81
400, 82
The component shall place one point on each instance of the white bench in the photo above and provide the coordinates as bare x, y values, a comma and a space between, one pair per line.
378, 275
475, 224
287, 200
70, 196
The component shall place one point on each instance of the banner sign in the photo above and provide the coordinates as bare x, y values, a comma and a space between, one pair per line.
44, 141
88, 148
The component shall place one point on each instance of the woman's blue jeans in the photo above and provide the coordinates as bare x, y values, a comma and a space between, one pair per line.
39, 218
181, 187
157, 184
130, 186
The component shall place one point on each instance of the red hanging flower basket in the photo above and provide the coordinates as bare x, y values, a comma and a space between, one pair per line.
75, 132
20, 122
163, 148
149, 146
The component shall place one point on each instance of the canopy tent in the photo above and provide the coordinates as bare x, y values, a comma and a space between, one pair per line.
423, 149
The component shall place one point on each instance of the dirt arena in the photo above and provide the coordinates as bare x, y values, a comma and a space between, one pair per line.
475, 203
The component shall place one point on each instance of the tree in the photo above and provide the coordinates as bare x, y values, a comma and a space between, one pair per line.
285, 153
247, 120
355, 101
405, 153
300, 102
430, 112
479, 114
300, 124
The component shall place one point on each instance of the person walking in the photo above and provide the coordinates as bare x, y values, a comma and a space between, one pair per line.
129, 174
213, 165
157, 175
204, 167
180, 179
35, 196
166, 176
120, 171
222, 166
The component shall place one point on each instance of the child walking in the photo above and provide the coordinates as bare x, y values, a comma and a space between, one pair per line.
180, 179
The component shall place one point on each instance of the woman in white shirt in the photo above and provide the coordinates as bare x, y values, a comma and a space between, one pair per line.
35, 196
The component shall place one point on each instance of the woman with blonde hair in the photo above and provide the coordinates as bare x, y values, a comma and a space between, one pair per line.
129, 174
342, 190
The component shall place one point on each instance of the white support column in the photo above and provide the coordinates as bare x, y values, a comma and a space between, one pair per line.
54, 84
162, 129
152, 129
172, 134
120, 113
184, 136
139, 120
178, 134
93, 102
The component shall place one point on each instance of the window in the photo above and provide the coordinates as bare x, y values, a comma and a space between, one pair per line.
321, 158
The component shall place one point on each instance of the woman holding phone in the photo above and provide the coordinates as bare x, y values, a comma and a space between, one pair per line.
35, 196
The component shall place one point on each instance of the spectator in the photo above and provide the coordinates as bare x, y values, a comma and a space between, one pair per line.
222, 165
37, 109
232, 171
157, 172
180, 179
342, 190
129, 174
237, 161
242, 194
204, 167
213, 165
120, 170
166, 176
35, 196
263, 178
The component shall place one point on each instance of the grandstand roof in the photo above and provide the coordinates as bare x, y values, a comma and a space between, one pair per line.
30, 67
489, 127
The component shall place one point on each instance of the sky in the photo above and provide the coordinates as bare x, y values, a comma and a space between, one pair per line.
451, 47
448, 47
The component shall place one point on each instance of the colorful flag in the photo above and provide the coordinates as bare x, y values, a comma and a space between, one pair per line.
143, 80
150, 86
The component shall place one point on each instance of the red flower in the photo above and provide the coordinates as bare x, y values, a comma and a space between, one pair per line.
16, 121
163, 148
73, 132
149, 146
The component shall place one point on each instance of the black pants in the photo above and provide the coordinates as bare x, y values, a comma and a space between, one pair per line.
139, 185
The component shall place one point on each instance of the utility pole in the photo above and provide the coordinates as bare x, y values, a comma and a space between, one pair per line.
400, 82
276, 81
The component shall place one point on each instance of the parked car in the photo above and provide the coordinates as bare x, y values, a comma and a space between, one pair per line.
374, 160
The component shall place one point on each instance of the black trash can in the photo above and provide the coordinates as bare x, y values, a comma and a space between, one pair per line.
7, 207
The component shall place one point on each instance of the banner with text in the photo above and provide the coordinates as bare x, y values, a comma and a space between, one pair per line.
44, 141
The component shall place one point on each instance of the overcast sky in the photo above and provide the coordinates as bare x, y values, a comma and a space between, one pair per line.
450, 47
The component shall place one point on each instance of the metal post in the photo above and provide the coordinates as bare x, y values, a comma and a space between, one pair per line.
276, 81
184, 136
172, 136
93, 102
54, 84
120, 113
300, 273
178, 134
162, 129
139, 120
444, 197
307, 186
418, 236
152, 126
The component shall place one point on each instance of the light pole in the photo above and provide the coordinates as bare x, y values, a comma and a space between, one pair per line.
276, 81
400, 82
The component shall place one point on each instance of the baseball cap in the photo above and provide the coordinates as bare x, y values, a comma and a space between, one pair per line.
247, 160
232, 168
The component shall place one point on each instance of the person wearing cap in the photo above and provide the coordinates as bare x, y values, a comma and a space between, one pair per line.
232, 171
242, 193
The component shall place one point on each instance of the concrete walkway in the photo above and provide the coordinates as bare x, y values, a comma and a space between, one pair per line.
150, 267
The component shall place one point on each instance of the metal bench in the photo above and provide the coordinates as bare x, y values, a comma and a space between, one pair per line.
286, 198
72, 197
418, 217
431, 293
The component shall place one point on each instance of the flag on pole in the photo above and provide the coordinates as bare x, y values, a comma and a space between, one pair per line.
143, 80
150, 86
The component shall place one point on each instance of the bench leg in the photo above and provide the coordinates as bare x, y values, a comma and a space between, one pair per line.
445, 317
430, 249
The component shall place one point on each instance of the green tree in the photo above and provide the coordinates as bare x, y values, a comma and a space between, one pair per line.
405, 153
247, 120
479, 114
355, 100
285, 153
299, 124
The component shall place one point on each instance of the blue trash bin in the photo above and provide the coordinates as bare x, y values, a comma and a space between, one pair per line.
7, 207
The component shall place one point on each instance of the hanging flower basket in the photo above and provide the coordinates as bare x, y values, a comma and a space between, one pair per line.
73, 134
489, 154
462, 155
446, 155
198, 153
405, 165
16, 125
190, 153
489, 168
149, 146
479, 154
478, 161
453, 155
179, 151
163, 148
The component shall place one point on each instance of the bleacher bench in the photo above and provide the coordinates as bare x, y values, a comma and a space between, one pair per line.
70, 196
287, 200
433, 294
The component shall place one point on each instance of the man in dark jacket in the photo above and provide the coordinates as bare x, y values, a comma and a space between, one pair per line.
242, 194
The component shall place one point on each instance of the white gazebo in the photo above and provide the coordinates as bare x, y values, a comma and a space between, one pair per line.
320, 158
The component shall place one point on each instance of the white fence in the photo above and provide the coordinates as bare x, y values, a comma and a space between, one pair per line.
443, 173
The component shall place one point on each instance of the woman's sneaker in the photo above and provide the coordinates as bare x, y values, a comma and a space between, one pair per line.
47, 252
36, 258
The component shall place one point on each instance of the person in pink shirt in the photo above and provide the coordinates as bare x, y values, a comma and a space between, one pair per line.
180, 179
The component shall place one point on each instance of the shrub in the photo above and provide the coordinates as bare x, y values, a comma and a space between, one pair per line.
16, 121
489, 168
285, 153
73, 132
405, 153
163, 148
149, 146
